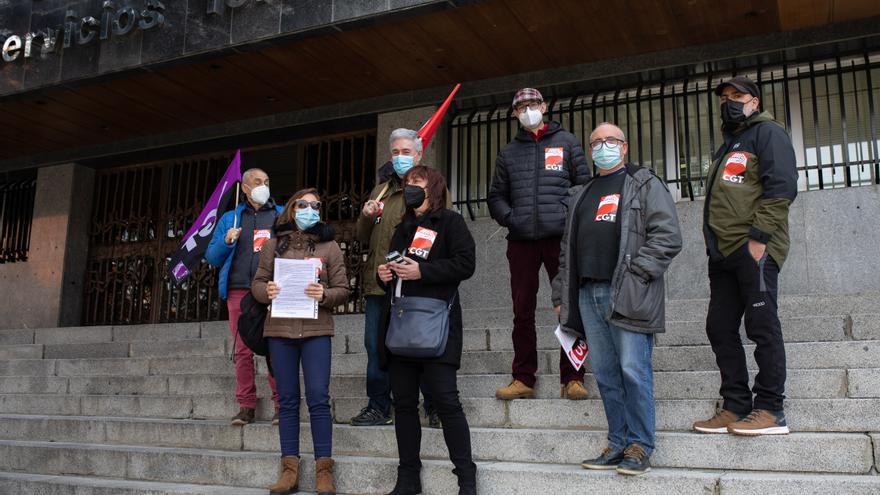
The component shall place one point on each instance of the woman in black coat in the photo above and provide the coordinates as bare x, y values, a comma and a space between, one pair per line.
439, 253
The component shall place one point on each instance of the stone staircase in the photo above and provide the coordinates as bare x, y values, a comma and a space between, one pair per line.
140, 410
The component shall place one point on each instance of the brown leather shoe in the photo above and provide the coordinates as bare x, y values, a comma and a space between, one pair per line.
573, 390
516, 390
288, 482
760, 422
245, 416
717, 423
324, 483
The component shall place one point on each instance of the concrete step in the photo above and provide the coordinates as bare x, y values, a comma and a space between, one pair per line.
377, 474
799, 452
803, 415
41, 484
485, 331
800, 355
801, 329
21, 351
789, 306
349, 339
819, 383
98, 350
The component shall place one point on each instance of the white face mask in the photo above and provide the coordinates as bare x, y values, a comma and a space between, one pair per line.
260, 194
530, 118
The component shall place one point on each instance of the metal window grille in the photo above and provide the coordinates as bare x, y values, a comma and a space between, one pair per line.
829, 108
16, 217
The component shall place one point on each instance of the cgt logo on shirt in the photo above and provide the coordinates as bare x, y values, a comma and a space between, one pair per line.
553, 159
735, 168
260, 238
422, 243
607, 211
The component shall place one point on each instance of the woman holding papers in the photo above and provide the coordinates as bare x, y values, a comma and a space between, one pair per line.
435, 253
308, 293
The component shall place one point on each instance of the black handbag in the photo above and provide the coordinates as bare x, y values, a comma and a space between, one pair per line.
250, 324
419, 326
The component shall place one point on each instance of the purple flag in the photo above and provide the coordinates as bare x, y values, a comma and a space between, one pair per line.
195, 242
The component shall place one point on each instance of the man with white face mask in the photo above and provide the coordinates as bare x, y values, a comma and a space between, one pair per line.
622, 232
235, 248
529, 194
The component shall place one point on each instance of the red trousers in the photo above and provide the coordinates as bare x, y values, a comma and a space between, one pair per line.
525, 258
245, 388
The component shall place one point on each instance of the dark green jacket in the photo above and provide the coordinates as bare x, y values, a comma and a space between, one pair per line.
378, 235
751, 184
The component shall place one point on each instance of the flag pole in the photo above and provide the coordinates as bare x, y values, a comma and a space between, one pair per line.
234, 217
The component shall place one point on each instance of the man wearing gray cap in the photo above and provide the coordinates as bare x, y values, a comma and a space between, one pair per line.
752, 183
529, 196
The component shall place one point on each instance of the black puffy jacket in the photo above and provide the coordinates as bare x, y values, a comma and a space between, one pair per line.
529, 192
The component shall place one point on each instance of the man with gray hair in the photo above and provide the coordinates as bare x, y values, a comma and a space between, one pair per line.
381, 214
621, 233
235, 249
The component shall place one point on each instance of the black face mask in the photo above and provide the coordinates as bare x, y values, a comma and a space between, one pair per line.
413, 196
732, 112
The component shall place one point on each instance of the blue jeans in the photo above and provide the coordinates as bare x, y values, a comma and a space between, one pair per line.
621, 363
378, 386
314, 353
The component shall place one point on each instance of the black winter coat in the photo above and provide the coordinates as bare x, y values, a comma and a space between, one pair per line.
529, 192
451, 260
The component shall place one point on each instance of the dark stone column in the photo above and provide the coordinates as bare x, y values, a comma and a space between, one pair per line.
47, 290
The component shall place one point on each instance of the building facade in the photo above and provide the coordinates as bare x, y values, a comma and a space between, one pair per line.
119, 117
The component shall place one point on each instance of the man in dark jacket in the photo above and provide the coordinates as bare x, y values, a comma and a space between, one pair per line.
533, 174
751, 185
622, 232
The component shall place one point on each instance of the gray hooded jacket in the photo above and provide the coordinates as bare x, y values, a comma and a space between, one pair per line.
650, 239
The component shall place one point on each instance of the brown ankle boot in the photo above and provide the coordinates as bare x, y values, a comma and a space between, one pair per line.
324, 484
288, 482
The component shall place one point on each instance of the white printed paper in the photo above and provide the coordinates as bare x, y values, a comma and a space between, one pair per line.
575, 347
293, 276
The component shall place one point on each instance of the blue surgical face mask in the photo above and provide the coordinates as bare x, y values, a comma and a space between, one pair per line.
306, 218
606, 158
402, 164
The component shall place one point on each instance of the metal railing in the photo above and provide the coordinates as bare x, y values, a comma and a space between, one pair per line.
16, 218
828, 107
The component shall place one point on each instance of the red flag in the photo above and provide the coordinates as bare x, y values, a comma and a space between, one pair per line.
427, 131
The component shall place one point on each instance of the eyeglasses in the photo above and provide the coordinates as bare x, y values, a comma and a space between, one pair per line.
301, 203
521, 107
610, 143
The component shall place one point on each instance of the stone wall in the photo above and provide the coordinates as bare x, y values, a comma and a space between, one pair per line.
414, 119
835, 250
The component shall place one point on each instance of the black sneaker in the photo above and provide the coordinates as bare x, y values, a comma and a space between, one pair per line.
635, 461
245, 416
608, 460
371, 417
